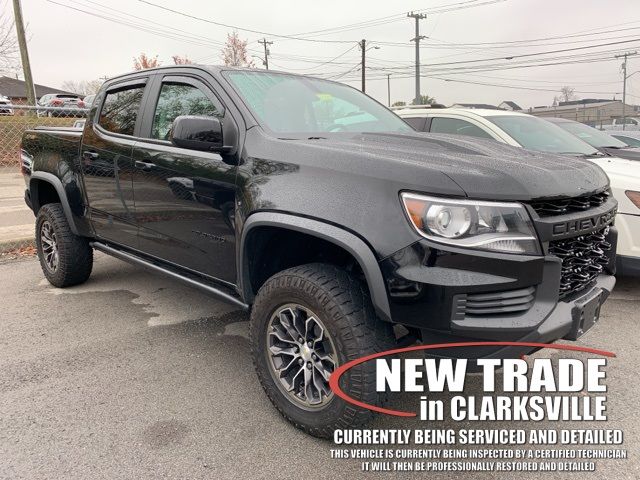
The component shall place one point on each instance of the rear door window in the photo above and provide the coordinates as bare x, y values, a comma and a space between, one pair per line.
120, 109
457, 126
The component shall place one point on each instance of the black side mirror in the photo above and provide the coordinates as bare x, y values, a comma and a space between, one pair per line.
197, 133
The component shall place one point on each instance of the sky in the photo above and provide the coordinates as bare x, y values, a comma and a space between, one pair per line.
472, 53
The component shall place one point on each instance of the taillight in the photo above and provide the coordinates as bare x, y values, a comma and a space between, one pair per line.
81, 103
56, 101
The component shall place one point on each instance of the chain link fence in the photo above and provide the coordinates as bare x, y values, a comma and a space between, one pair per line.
16, 219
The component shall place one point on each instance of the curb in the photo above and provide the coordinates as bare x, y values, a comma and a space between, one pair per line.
9, 245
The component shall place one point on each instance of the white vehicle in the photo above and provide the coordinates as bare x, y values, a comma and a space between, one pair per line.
631, 123
534, 133
5, 106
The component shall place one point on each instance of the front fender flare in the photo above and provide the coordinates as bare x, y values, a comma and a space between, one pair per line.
336, 235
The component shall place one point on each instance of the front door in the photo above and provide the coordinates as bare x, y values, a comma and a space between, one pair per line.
185, 200
107, 165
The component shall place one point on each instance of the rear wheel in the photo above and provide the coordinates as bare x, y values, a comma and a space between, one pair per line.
66, 259
305, 322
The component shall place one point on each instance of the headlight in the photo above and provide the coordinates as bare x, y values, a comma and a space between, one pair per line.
494, 226
634, 197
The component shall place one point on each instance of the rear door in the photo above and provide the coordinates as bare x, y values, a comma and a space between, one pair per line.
185, 199
107, 165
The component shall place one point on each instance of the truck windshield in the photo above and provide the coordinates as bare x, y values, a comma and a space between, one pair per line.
298, 105
593, 137
537, 134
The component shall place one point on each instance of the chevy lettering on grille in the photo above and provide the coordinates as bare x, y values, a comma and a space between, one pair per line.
583, 225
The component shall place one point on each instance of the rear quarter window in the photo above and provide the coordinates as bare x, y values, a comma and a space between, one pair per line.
457, 126
417, 123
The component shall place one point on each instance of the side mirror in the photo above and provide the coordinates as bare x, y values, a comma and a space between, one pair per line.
197, 133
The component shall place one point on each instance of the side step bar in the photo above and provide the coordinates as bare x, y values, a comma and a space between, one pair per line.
127, 257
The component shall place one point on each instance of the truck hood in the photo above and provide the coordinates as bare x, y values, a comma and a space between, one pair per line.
482, 169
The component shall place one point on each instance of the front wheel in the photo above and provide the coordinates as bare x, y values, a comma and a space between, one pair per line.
305, 322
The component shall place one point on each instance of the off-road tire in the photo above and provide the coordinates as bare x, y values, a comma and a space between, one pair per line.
343, 304
75, 255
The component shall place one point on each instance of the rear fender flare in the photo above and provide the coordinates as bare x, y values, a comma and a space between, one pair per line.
336, 235
55, 182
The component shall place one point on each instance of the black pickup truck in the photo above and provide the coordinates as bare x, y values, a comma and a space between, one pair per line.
339, 227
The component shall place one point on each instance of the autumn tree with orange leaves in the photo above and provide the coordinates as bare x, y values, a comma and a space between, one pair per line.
143, 62
234, 53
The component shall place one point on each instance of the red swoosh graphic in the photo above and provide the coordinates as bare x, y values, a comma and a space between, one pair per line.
334, 380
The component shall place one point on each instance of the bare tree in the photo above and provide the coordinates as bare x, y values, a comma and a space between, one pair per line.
143, 61
8, 43
234, 53
178, 60
567, 93
82, 87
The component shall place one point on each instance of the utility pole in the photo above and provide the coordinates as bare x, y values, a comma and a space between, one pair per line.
363, 47
388, 89
624, 85
417, 38
266, 44
24, 54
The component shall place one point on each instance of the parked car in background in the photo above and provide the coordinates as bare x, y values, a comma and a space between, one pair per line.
68, 104
535, 133
630, 123
630, 138
5, 106
597, 139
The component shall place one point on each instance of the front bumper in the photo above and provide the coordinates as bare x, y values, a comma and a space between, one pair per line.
429, 288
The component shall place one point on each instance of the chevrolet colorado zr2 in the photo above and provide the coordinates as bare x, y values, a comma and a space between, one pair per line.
340, 228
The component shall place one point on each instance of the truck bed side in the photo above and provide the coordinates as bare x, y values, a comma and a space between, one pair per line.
55, 172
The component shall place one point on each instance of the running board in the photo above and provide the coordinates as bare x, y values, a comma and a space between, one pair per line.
127, 257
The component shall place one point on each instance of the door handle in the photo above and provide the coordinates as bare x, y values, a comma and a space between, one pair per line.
144, 166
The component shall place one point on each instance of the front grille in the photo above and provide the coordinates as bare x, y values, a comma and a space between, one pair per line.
583, 259
568, 205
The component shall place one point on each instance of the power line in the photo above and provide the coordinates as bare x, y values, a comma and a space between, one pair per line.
236, 27
511, 67
511, 57
331, 61
436, 9
196, 40
515, 87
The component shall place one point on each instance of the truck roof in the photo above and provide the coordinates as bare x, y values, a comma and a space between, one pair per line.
197, 66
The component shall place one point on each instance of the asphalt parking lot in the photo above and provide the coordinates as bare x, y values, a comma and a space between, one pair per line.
134, 376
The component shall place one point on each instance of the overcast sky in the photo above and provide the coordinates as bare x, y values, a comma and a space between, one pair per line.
67, 44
